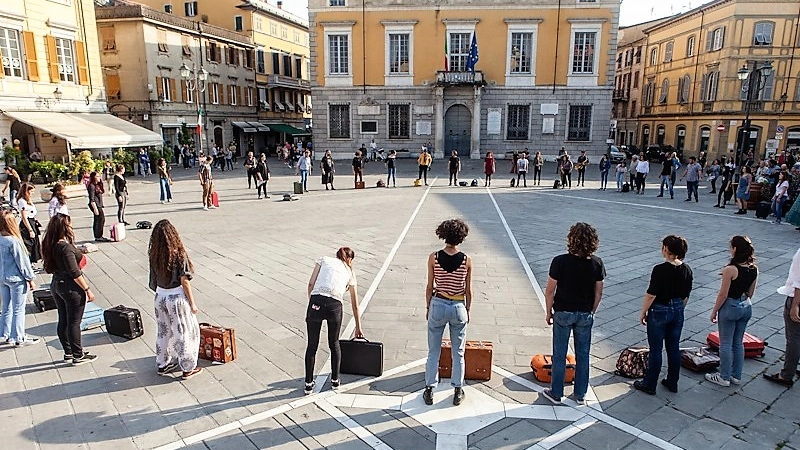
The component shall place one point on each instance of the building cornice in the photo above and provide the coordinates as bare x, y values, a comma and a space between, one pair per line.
11, 16
588, 20
338, 23
474, 21
688, 14
522, 20
392, 23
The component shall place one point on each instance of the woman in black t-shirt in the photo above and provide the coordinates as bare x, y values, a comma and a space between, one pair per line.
358, 169
662, 312
455, 166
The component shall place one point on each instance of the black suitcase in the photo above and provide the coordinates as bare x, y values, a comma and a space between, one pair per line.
43, 299
763, 210
124, 322
361, 357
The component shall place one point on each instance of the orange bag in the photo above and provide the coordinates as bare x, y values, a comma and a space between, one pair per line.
542, 366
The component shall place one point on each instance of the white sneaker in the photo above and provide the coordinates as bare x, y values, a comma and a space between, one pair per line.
716, 378
162, 202
212, 207
29, 340
736, 381
205, 208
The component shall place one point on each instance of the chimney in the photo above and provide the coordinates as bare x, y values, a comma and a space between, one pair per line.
280, 4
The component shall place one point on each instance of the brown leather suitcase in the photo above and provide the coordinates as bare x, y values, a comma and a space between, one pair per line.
477, 359
360, 185
217, 343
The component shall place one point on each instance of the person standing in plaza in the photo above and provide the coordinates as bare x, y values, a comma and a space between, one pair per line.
583, 161
29, 226
454, 164
780, 197
694, 175
96, 191
642, 169
391, 170
329, 281
489, 168
328, 169
12, 184
676, 166
69, 286
791, 322
164, 181
713, 172
566, 172
424, 161
621, 170
17, 280
538, 163
144, 163
358, 167
448, 298
743, 191
250, 168
572, 295
304, 167
562, 154
108, 172
724, 187
522, 169
373, 148
207, 182
605, 167
632, 172
58, 201
733, 309
171, 271
662, 313
666, 178
121, 193
261, 171
229, 152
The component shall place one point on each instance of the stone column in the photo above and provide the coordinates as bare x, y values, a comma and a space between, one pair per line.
475, 141
439, 123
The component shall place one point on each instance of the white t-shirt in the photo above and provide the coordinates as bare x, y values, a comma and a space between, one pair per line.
643, 167
333, 279
55, 207
781, 190
29, 208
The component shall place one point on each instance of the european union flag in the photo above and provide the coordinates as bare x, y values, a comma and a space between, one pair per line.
473, 53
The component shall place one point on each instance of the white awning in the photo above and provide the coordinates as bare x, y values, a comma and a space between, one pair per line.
89, 130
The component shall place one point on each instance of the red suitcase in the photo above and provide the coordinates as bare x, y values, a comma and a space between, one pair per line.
215, 199
753, 345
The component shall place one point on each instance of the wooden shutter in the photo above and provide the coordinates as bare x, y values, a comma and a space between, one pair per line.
184, 90
722, 38
703, 87
2, 72
112, 86
218, 53
83, 63
30, 56
52, 59
221, 90
160, 88
239, 99
709, 40
208, 51
173, 93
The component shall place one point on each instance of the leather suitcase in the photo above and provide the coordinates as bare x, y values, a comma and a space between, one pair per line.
699, 359
542, 366
360, 185
361, 357
753, 345
124, 322
92, 317
217, 343
477, 360
43, 299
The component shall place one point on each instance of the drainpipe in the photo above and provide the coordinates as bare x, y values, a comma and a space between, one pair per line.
79, 9
364, 44
558, 34
791, 60
697, 57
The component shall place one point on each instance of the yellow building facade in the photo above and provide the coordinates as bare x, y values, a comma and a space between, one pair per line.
401, 75
692, 97
51, 83
281, 59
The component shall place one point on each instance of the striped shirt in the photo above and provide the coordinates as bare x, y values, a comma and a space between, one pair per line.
450, 284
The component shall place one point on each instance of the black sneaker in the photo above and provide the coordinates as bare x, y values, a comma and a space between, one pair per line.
86, 358
548, 394
335, 384
169, 368
639, 385
427, 396
309, 388
67, 358
673, 389
458, 396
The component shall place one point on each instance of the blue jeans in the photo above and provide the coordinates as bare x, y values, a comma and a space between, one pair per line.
664, 326
391, 174
166, 192
603, 178
12, 319
777, 209
446, 312
665, 179
580, 324
732, 320
620, 180
691, 188
304, 178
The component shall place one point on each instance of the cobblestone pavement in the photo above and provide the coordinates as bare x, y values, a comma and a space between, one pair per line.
253, 259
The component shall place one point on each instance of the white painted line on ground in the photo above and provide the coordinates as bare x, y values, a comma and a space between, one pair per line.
563, 434
325, 372
536, 287
361, 432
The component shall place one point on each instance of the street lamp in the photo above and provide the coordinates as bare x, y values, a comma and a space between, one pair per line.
757, 77
195, 82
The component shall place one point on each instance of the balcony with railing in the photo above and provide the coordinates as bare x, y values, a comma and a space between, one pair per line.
621, 94
283, 81
754, 106
444, 78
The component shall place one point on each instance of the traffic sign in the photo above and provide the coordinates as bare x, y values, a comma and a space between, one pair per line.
778, 135
780, 129
720, 128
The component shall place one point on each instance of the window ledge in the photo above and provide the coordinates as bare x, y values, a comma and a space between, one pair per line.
398, 80
515, 79
338, 80
583, 80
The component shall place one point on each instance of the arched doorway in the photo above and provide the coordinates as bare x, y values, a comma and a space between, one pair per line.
752, 140
680, 138
218, 136
457, 130
26, 135
705, 139
645, 137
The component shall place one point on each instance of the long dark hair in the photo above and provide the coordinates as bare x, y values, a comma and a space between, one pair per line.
346, 255
743, 251
58, 228
58, 193
166, 249
94, 179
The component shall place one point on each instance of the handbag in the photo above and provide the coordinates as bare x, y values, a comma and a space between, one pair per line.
699, 359
632, 362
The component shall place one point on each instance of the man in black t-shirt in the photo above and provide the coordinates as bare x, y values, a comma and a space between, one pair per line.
455, 166
573, 292
358, 169
666, 177
583, 161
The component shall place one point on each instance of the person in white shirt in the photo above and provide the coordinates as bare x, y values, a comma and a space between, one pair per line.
632, 171
303, 168
791, 320
373, 147
780, 197
331, 278
58, 201
642, 169
522, 169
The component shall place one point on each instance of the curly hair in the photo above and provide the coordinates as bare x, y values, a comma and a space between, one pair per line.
744, 252
582, 240
58, 228
676, 245
166, 249
452, 231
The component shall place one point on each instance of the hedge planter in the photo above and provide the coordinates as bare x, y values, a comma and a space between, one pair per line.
70, 190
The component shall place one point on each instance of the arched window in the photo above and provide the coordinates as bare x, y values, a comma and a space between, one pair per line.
684, 85
654, 56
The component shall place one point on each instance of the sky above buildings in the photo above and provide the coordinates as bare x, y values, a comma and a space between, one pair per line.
632, 11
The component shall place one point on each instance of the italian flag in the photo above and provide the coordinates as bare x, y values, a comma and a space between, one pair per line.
446, 68
199, 122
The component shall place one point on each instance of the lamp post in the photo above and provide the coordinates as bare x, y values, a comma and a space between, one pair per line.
195, 82
756, 80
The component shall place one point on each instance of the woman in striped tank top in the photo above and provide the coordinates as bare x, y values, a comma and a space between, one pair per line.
448, 295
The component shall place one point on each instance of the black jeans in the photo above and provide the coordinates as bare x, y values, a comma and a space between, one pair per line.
640, 177
70, 302
792, 331
524, 180
453, 177
251, 175
581, 176
99, 223
423, 172
120, 209
261, 186
321, 308
566, 179
358, 174
537, 174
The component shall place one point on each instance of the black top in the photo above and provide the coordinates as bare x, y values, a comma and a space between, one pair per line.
250, 163
576, 278
327, 164
262, 169
173, 280
356, 162
66, 260
746, 277
95, 196
120, 186
668, 281
666, 168
13, 183
390, 163
454, 160
450, 263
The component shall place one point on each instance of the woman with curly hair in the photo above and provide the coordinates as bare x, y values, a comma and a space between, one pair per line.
662, 313
733, 310
573, 292
178, 336
448, 297
69, 286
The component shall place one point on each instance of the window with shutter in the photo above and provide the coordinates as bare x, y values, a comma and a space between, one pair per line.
276, 63
173, 91
113, 86
186, 46
690, 43
52, 58
10, 53
108, 39
162, 41
762, 35
160, 87
83, 63
664, 91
